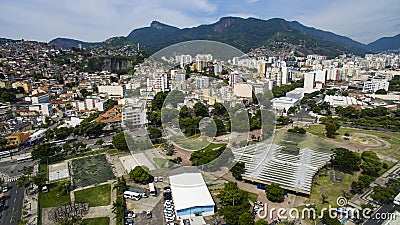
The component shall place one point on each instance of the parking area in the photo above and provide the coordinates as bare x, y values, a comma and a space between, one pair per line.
157, 215
153, 203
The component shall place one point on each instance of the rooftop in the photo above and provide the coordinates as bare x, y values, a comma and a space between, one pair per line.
189, 190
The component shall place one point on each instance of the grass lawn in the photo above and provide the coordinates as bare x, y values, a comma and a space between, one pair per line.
192, 144
53, 198
97, 221
393, 138
332, 190
160, 162
95, 196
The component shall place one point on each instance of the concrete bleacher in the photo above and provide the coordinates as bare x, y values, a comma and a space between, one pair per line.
267, 163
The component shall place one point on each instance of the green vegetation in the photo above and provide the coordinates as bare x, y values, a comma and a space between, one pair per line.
379, 117
91, 170
381, 92
383, 194
119, 142
325, 192
9, 94
393, 138
331, 127
237, 170
234, 203
394, 84
246, 219
95, 196
345, 160
140, 174
118, 208
53, 197
284, 120
298, 130
274, 193
96, 221
207, 154
280, 91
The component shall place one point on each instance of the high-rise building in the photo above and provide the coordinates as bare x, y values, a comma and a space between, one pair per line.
309, 80
373, 84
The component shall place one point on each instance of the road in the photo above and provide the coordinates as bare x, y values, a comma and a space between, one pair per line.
12, 211
12, 169
382, 214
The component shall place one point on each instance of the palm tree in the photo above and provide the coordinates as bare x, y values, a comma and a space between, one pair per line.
120, 184
118, 207
23, 181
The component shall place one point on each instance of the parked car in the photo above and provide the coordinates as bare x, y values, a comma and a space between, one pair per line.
130, 215
149, 215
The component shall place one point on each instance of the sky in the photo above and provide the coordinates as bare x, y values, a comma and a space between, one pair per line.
96, 20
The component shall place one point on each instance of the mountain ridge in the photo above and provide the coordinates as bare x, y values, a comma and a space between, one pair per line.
247, 34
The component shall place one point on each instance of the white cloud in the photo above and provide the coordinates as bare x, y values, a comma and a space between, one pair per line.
363, 20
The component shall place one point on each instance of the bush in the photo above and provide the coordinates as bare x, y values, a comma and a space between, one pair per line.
298, 130
275, 193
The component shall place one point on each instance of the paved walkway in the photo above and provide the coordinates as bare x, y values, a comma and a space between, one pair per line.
30, 201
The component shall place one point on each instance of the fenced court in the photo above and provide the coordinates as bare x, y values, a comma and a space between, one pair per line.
91, 170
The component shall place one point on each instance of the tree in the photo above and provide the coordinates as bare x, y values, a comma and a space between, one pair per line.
110, 103
363, 182
158, 101
330, 92
275, 193
63, 187
298, 130
200, 110
232, 195
237, 170
140, 175
153, 132
185, 112
371, 164
283, 120
234, 202
119, 142
292, 110
381, 92
120, 185
331, 127
118, 208
261, 222
27, 170
40, 180
44, 151
246, 219
329, 220
3, 143
23, 181
345, 160
382, 194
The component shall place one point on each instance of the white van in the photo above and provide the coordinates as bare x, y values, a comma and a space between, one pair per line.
132, 195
